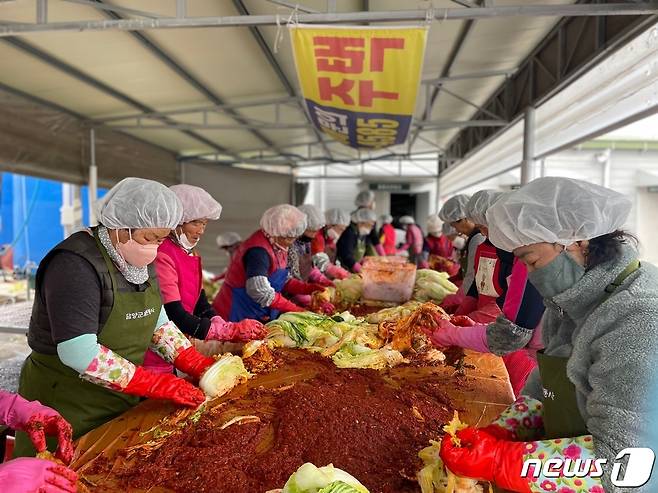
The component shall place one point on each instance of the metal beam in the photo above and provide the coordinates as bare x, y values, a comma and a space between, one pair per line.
267, 52
95, 83
507, 11
470, 103
434, 124
201, 109
294, 6
116, 8
532, 85
474, 75
177, 68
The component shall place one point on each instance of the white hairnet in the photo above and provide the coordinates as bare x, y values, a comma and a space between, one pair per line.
139, 203
448, 230
407, 220
364, 216
365, 198
314, 216
386, 218
555, 210
283, 220
434, 224
337, 217
479, 204
454, 209
197, 203
227, 239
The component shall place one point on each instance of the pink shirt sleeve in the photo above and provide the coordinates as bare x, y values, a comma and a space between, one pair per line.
168, 278
515, 289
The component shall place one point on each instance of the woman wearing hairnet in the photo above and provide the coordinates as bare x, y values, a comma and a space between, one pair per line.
96, 311
438, 249
353, 242
387, 234
600, 333
506, 307
366, 200
323, 246
454, 212
305, 266
258, 274
414, 242
179, 273
229, 243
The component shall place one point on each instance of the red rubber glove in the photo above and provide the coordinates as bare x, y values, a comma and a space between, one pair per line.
164, 386
38, 421
283, 305
295, 286
483, 456
451, 302
192, 362
29, 474
462, 321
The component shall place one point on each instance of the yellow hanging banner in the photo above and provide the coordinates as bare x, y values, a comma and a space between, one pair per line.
360, 83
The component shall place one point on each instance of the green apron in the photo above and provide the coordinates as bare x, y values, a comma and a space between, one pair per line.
85, 405
562, 418
361, 250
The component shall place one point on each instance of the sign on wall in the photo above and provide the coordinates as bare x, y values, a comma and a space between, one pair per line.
360, 83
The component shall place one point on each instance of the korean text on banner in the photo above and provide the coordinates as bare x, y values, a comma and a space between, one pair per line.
360, 83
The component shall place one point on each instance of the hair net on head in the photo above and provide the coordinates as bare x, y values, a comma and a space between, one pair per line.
555, 210
454, 209
364, 216
386, 218
448, 230
337, 217
434, 224
407, 220
314, 217
197, 203
283, 220
139, 203
228, 239
479, 204
365, 198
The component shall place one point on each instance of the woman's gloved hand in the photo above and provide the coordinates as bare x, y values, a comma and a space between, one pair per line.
336, 272
243, 331
31, 475
38, 421
164, 386
295, 286
357, 267
284, 305
485, 457
317, 277
447, 334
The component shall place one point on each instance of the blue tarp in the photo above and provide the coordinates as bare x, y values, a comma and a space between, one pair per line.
30, 215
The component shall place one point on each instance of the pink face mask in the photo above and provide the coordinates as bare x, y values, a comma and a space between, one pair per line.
136, 254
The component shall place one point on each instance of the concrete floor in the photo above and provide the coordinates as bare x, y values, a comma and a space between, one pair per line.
13, 347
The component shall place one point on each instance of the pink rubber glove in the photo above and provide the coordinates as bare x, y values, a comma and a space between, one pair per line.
37, 421
30, 475
357, 267
337, 272
318, 277
424, 265
474, 338
380, 250
243, 331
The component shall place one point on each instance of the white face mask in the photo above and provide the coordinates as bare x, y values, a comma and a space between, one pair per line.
364, 231
332, 234
185, 243
459, 243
